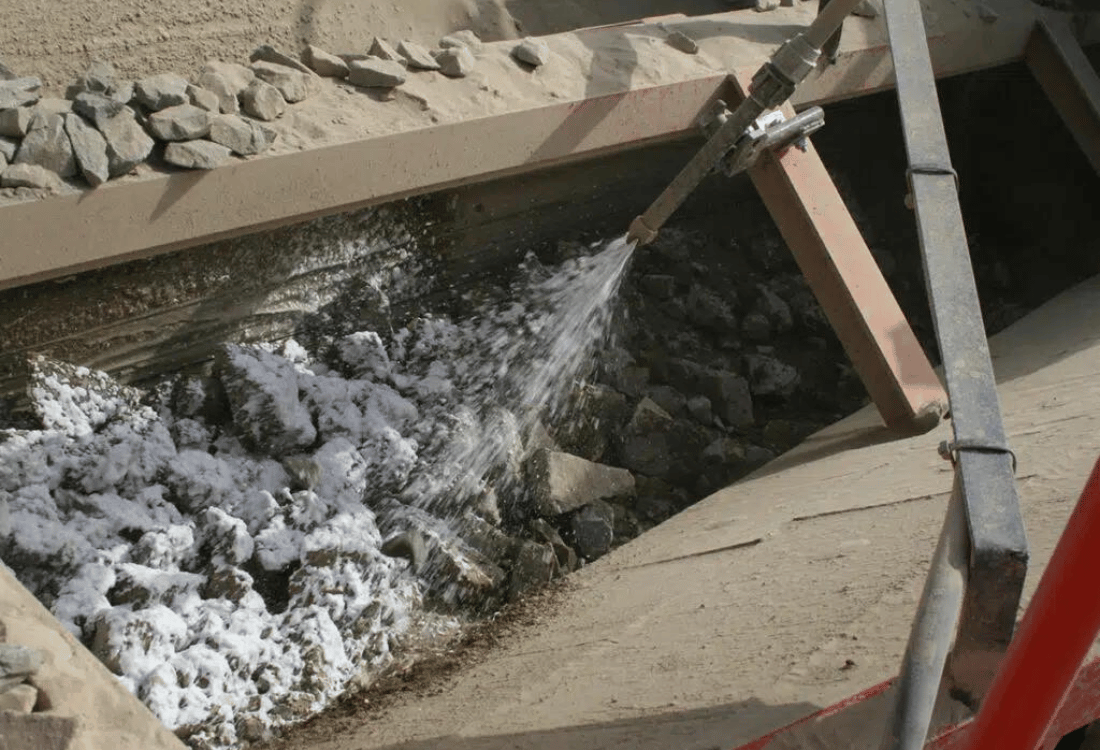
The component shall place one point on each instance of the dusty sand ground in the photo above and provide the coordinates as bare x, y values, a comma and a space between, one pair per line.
57, 40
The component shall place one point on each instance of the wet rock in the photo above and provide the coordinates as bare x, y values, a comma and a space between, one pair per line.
267, 53
456, 62
785, 433
324, 63
486, 538
774, 309
263, 393
464, 38
457, 574
658, 500
531, 51
755, 327
96, 107
8, 147
562, 482
240, 136
19, 92
661, 286
705, 308
680, 41
200, 97
293, 84
770, 377
631, 380
15, 122
596, 411
227, 583
408, 545
594, 529
198, 154
47, 145
699, 407
985, 12
127, 142
183, 122
542, 531
19, 661
375, 72
262, 101
535, 566
668, 398
729, 393
19, 699
29, 176
250, 728
416, 56
161, 91
383, 50
89, 149
626, 526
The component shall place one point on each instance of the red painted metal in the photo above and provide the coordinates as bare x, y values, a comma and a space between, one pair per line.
1053, 640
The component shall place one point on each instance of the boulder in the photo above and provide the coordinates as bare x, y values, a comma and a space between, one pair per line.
15, 122
455, 62
535, 566
699, 407
19, 699
464, 38
594, 529
668, 398
102, 78
127, 142
293, 84
770, 377
268, 54
8, 147
678, 40
417, 56
240, 136
263, 394
375, 72
183, 122
531, 51
596, 412
161, 91
89, 149
19, 661
383, 50
47, 145
409, 545
562, 482
707, 309
774, 309
197, 154
204, 99
542, 531
324, 63
227, 81
29, 176
262, 101
96, 107
19, 92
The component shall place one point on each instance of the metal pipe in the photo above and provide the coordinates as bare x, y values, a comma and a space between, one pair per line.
1053, 640
772, 85
937, 618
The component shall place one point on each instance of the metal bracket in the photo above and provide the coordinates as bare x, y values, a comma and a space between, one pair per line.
771, 131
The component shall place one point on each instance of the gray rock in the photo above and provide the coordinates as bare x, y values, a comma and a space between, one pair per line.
594, 529
661, 286
240, 136
763, 6
100, 78
730, 396
987, 14
699, 407
542, 531
227, 81
535, 566
29, 176
16, 660
648, 416
668, 398
531, 52
770, 377
19, 699
197, 154
678, 40
89, 148
724, 451
868, 9
250, 728
47, 145
562, 482
416, 56
263, 101
455, 62
52, 106
226, 582
6, 73
627, 525
204, 99
127, 142
8, 147
708, 310
263, 393
597, 413
96, 107
161, 91
15, 122
383, 50
267, 53
19, 92
292, 84
771, 305
324, 63
183, 122
409, 545
755, 327
464, 38
376, 73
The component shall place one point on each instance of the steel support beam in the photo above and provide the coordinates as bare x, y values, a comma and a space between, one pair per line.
1069, 80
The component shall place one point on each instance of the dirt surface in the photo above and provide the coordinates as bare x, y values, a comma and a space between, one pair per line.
781, 594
